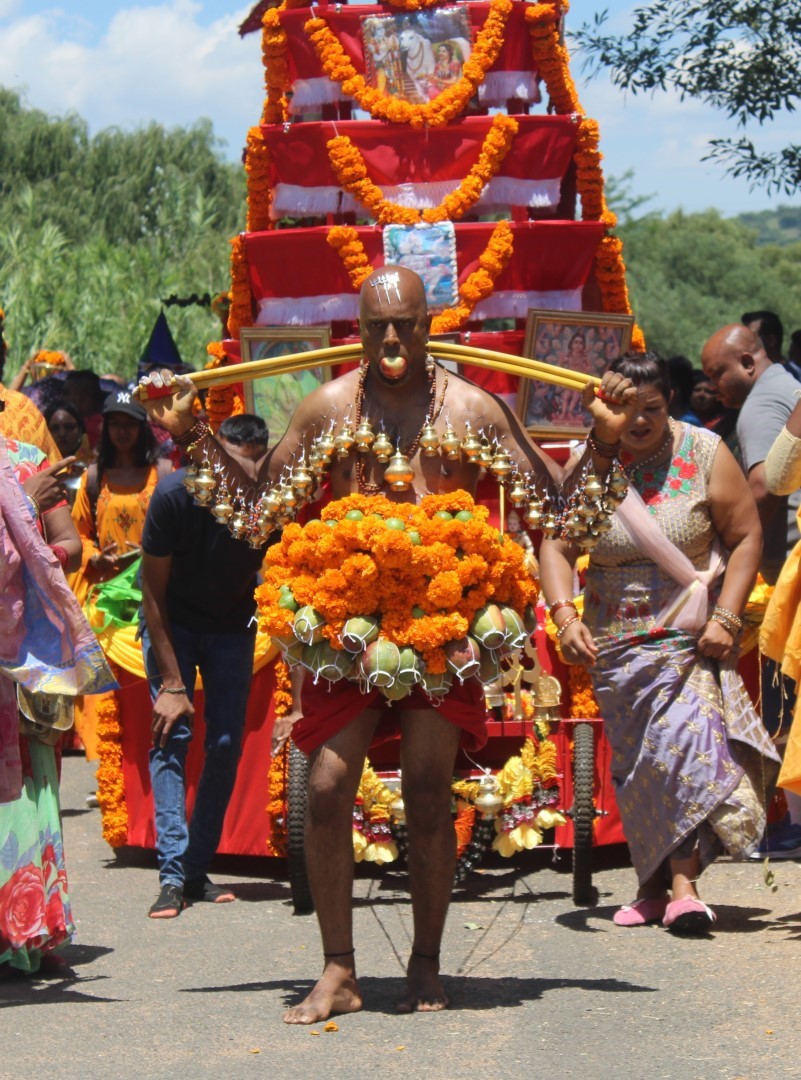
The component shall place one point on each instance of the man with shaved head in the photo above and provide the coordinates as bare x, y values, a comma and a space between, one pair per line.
398, 389
735, 361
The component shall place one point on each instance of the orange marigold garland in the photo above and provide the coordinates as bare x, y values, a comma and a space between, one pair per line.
276, 807
345, 241
480, 284
241, 313
50, 356
419, 575
551, 55
221, 401
276, 68
257, 166
583, 705
351, 172
110, 779
446, 106
282, 694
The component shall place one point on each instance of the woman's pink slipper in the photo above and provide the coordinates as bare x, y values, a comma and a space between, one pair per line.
641, 912
689, 916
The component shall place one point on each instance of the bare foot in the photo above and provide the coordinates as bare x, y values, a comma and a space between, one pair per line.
425, 992
336, 992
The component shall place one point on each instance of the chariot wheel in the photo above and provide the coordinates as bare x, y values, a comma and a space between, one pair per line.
583, 812
297, 784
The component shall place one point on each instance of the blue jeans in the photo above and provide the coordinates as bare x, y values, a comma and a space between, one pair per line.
225, 662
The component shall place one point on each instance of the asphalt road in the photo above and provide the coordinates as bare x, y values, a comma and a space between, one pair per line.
537, 987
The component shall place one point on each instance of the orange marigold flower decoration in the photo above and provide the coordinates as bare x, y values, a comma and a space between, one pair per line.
274, 47
110, 779
257, 167
446, 106
50, 356
583, 704
351, 172
276, 806
221, 401
345, 240
463, 824
282, 694
241, 313
370, 565
480, 283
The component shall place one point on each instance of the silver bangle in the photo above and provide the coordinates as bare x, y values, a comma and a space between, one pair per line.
172, 689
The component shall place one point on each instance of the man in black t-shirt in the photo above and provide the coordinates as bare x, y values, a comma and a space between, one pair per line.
198, 606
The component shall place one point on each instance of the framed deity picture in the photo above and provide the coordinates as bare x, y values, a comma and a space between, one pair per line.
429, 250
583, 341
415, 55
275, 397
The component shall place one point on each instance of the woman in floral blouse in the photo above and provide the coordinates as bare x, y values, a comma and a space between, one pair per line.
665, 587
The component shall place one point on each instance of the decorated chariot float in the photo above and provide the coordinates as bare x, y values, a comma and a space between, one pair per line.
448, 138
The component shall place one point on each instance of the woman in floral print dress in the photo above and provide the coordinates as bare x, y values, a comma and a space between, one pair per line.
691, 760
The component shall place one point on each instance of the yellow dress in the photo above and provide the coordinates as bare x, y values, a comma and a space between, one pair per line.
21, 420
121, 511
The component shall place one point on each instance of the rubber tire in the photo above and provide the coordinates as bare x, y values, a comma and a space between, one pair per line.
583, 812
297, 784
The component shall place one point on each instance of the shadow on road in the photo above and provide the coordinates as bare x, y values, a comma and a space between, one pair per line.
464, 993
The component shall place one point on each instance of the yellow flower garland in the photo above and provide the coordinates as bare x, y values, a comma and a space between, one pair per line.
446, 106
478, 286
351, 172
110, 778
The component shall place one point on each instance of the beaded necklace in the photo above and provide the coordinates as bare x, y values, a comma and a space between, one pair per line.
403, 457
636, 466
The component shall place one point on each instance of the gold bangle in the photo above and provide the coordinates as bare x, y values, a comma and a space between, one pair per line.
557, 605
568, 622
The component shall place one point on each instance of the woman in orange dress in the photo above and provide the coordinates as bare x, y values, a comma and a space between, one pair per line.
110, 509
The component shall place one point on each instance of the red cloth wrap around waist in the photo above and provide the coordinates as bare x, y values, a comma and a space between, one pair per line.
329, 707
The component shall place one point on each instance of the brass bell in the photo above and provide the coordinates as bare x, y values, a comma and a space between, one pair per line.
255, 537
549, 526
501, 464
344, 441
602, 525
429, 440
289, 498
223, 509
399, 473
593, 486
534, 514
364, 437
576, 524
302, 479
470, 444
325, 445
451, 444
519, 492
318, 462
190, 478
485, 453
271, 501
204, 486
587, 508
382, 447
488, 802
238, 525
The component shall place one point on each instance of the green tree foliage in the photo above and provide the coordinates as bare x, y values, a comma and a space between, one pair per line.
94, 232
689, 274
741, 56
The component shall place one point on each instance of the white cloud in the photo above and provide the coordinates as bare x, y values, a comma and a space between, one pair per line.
150, 63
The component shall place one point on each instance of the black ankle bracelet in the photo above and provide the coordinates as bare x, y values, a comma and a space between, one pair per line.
334, 955
426, 956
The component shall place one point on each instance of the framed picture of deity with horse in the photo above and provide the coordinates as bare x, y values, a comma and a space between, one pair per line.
416, 55
275, 397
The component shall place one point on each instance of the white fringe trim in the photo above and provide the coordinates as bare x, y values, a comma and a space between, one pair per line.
294, 200
496, 89
310, 310
307, 310
515, 305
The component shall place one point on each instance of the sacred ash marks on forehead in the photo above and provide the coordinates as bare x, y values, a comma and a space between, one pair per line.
387, 283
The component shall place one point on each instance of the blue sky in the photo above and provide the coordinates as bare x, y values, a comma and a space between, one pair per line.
126, 62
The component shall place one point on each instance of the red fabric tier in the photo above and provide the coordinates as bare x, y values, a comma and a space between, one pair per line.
512, 75
298, 279
429, 164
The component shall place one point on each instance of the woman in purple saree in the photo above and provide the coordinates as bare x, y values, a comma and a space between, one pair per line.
692, 764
